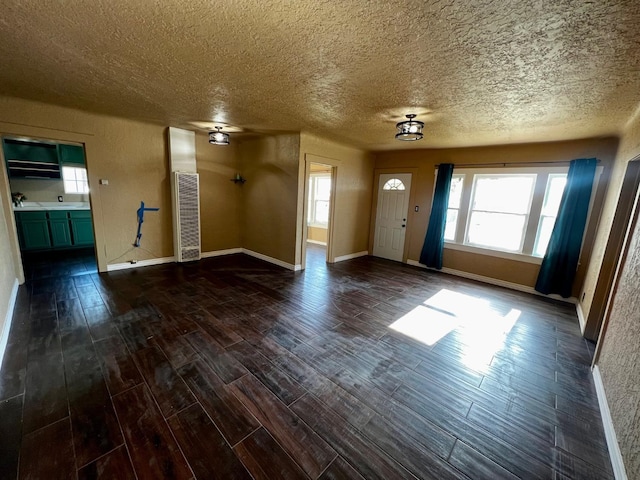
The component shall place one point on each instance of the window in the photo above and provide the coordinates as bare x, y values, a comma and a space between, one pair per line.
508, 210
499, 211
393, 184
319, 192
550, 206
75, 179
455, 197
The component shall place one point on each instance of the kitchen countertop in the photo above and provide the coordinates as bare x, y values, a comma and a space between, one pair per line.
44, 206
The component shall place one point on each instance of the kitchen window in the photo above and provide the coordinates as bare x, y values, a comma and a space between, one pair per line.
75, 179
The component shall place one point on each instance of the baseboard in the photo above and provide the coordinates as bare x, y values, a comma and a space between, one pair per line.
581, 319
610, 434
140, 263
342, 258
493, 281
275, 261
219, 253
8, 319
317, 242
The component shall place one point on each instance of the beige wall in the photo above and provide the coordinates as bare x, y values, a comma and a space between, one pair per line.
220, 198
10, 272
620, 341
424, 162
269, 197
317, 234
353, 191
131, 155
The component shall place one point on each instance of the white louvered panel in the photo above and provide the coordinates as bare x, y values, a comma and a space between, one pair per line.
188, 216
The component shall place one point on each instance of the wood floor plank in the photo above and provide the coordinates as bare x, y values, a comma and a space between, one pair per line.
14, 370
310, 452
114, 465
476, 465
45, 398
340, 470
39, 460
207, 452
280, 384
265, 459
118, 367
364, 456
153, 450
94, 424
11, 428
226, 366
165, 384
229, 414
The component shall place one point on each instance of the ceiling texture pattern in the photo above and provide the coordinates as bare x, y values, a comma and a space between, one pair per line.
476, 72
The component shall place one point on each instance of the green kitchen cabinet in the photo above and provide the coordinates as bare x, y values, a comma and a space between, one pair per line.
71, 154
34, 227
30, 151
59, 227
81, 227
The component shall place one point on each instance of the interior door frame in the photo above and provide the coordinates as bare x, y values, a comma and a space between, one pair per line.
410, 210
332, 164
46, 135
633, 218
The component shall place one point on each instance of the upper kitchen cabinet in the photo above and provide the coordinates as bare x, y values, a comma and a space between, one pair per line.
71, 154
32, 159
30, 151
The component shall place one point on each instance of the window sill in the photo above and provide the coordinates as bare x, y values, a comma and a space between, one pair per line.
519, 257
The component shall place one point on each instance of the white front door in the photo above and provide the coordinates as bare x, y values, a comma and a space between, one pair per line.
391, 215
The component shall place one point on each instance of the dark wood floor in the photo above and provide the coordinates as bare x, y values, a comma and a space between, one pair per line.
234, 368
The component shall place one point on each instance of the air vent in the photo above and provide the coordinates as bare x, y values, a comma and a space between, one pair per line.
187, 210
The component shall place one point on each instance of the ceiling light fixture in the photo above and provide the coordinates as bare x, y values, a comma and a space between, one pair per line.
218, 137
409, 130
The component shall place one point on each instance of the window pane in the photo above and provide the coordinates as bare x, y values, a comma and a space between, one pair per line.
496, 230
455, 192
393, 184
553, 195
505, 193
322, 211
70, 186
544, 235
323, 188
450, 227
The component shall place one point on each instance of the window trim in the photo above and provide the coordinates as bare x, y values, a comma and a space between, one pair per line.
537, 203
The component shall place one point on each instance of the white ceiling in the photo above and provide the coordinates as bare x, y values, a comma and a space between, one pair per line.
476, 72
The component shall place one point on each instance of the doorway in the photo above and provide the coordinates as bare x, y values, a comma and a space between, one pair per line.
49, 188
392, 208
320, 187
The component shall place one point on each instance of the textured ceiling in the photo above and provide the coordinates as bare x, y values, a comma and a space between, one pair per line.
477, 72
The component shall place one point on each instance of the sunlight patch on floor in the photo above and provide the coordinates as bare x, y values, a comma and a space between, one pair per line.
482, 330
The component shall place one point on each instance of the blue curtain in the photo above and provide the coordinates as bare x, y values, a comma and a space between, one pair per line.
559, 265
431, 254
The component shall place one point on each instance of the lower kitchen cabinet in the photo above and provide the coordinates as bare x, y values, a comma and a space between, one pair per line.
81, 227
53, 229
60, 230
34, 228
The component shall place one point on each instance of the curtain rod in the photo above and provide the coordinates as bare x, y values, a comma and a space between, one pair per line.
504, 164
